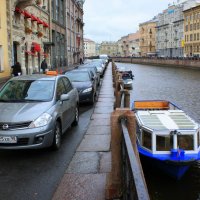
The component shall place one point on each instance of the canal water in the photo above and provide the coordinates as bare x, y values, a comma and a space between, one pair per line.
182, 87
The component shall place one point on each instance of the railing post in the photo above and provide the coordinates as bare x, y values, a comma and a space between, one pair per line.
126, 99
114, 183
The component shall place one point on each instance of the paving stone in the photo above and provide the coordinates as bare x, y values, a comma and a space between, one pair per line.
95, 143
101, 116
103, 104
108, 99
108, 109
101, 130
84, 162
105, 162
100, 122
81, 187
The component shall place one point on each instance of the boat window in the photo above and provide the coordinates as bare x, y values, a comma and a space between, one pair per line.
164, 142
138, 132
198, 139
186, 142
147, 140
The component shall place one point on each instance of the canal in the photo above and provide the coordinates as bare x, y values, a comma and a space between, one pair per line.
181, 86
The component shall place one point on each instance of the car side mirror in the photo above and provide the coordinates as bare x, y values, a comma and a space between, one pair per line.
64, 97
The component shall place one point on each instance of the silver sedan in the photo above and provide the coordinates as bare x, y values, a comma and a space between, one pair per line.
36, 110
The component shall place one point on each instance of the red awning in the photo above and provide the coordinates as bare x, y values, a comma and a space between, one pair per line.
27, 14
30, 53
39, 21
19, 10
36, 47
45, 24
33, 18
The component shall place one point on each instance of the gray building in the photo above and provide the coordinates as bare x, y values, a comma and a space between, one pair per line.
170, 31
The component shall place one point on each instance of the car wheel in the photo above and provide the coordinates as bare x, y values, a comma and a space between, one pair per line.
57, 137
76, 118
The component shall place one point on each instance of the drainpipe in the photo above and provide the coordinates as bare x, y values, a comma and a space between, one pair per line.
11, 31
50, 31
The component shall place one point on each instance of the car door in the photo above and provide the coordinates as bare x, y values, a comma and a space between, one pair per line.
72, 92
64, 106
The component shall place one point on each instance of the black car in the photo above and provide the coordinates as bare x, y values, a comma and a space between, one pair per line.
93, 68
85, 84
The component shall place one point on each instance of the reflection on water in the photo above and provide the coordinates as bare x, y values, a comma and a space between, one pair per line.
182, 87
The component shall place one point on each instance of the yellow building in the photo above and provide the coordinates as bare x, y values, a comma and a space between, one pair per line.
147, 38
4, 64
192, 31
109, 48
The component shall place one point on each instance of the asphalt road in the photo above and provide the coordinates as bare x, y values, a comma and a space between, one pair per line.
35, 174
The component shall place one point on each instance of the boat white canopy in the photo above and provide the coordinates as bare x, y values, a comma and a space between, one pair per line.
165, 119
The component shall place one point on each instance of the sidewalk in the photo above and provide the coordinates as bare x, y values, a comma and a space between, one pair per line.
85, 177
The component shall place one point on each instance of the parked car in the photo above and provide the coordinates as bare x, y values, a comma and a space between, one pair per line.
93, 68
100, 65
36, 110
85, 84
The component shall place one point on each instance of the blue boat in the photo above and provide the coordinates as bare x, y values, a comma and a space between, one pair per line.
166, 136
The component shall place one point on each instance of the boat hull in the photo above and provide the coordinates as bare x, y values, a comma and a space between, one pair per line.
175, 170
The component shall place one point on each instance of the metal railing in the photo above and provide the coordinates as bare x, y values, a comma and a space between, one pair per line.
134, 185
122, 95
126, 161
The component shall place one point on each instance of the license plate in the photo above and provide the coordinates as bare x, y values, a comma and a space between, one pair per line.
8, 139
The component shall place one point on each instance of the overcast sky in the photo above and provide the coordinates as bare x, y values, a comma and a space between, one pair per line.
109, 20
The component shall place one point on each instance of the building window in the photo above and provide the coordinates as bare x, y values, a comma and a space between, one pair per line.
186, 28
57, 10
61, 12
191, 37
1, 59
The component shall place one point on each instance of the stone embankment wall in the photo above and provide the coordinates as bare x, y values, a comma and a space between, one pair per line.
187, 63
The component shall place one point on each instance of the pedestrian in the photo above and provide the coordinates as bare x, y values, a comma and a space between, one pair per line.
44, 66
16, 69
81, 61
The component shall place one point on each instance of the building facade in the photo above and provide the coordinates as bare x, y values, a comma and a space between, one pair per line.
74, 32
192, 31
169, 32
109, 48
28, 31
4, 62
89, 48
58, 34
129, 45
147, 43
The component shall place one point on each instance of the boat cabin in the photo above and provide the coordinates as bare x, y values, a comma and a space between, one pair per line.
162, 127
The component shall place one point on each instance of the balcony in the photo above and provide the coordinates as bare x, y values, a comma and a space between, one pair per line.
25, 3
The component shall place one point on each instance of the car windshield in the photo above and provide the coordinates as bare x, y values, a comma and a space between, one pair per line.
78, 76
126, 76
27, 90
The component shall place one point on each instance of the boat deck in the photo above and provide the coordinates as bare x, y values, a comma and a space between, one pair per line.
165, 119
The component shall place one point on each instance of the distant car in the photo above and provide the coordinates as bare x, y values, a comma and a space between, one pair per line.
127, 80
85, 84
36, 110
101, 66
105, 57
